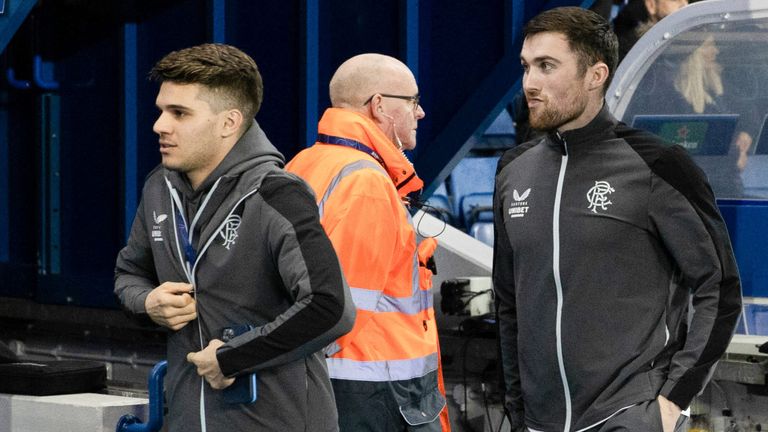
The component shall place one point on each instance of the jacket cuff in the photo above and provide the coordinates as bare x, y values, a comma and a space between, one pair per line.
678, 393
141, 303
225, 368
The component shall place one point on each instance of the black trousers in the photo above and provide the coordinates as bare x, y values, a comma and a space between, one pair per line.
370, 407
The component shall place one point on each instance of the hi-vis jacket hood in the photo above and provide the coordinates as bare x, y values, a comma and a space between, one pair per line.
362, 130
360, 179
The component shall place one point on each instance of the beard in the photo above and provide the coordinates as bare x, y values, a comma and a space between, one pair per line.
549, 117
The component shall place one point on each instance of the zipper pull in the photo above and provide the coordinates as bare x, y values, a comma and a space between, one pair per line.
562, 141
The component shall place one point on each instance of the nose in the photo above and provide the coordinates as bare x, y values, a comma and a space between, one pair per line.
161, 125
530, 83
420, 114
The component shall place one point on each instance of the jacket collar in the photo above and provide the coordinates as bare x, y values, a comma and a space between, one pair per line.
350, 125
601, 127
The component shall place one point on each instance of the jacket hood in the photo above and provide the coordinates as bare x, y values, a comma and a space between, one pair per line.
252, 149
350, 125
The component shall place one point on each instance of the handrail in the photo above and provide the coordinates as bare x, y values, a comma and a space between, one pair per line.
38, 72
37, 75
10, 74
131, 423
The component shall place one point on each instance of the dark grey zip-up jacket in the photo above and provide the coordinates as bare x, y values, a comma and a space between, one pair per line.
262, 259
601, 235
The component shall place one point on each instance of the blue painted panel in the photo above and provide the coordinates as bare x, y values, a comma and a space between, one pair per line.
13, 15
746, 221
156, 38
409, 47
460, 47
311, 70
4, 183
218, 21
271, 33
130, 184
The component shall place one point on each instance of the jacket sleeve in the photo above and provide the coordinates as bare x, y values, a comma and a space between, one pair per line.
135, 273
504, 287
684, 212
322, 310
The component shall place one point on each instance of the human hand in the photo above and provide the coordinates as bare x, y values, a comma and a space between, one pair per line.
170, 305
670, 413
743, 143
208, 365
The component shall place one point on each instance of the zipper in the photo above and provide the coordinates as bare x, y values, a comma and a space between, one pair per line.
199, 326
190, 270
558, 281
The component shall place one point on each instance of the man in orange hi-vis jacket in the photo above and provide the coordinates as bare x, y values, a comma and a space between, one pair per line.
386, 372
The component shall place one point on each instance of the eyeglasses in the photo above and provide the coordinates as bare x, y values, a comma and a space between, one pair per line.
414, 99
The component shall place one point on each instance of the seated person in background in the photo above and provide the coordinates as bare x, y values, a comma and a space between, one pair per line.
699, 82
695, 84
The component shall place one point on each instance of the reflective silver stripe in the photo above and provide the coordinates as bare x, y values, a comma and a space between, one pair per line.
415, 274
559, 286
376, 301
385, 370
347, 170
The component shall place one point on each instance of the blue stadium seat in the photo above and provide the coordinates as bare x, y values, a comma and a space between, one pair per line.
754, 320
483, 231
477, 207
473, 175
441, 205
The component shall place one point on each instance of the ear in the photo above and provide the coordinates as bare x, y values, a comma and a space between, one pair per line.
232, 122
376, 110
598, 75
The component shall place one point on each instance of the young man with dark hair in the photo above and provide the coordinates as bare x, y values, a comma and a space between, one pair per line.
224, 243
603, 236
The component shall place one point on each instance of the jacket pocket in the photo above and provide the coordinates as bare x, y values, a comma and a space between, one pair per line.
419, 399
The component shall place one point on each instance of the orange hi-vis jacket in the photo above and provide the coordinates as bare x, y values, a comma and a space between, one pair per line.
360, 180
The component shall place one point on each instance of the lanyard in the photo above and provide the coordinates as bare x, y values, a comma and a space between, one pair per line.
346, 142
189, 251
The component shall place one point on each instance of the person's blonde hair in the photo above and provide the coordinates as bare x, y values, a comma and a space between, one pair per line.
698, 80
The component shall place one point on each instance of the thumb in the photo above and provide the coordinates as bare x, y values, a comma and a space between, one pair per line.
191, 357
177, 287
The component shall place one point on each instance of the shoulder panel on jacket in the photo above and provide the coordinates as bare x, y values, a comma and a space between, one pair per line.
306, 328
513, 153
673, 164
